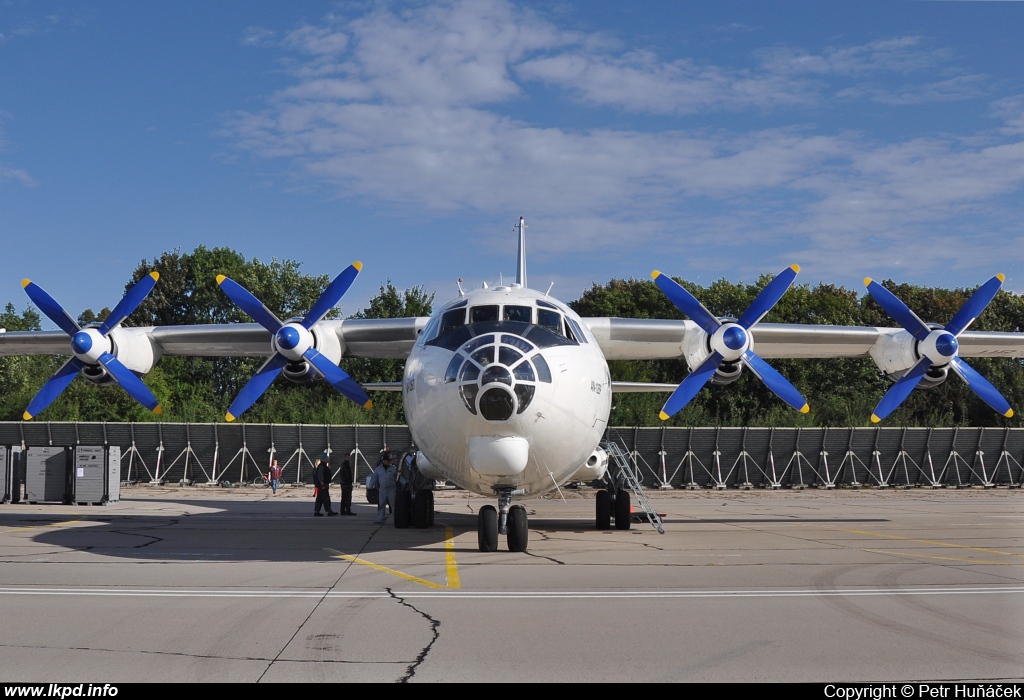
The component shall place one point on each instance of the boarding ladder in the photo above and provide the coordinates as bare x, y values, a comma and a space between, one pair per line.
620, 458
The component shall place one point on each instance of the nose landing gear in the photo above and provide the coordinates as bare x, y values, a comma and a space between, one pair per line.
509, 520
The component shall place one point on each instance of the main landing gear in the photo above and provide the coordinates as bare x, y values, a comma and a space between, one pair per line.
509, 520
414, 509
617, 504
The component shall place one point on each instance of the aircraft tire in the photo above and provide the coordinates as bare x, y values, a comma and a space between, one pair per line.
487, 529
519, 529
403, 508
422, 508
623, 515
604, 510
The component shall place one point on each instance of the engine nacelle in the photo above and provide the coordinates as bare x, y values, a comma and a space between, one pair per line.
427, 469
327, 344
594, 468
132, 347
698, 348
896, 352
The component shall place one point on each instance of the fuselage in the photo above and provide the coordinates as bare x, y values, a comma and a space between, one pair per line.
507, 388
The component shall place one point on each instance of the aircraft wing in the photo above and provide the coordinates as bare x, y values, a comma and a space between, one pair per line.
387, 338
657, 339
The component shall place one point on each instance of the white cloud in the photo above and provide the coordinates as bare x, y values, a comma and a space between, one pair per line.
415, 109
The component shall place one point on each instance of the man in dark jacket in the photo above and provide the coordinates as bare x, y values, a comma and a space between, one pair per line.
322, 481
346, 477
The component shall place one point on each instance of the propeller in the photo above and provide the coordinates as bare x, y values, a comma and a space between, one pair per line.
730, 341
293, 341
937, 346
91, 346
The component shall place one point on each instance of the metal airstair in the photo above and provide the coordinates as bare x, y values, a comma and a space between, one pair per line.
627, 475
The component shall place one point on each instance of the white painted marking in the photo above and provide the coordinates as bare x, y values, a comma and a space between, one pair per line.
537, 595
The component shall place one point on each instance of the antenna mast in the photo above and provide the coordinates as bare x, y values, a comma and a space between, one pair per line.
521, 260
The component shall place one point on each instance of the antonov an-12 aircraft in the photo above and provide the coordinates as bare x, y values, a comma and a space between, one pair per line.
507, 390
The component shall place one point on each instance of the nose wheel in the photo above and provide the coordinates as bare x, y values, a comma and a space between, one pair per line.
507, 519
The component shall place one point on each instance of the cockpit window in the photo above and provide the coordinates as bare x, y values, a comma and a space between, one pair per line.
452, 319
577, 330
479, 314
552, 320
518, 313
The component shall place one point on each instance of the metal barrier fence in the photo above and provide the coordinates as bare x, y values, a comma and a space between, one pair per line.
662, 457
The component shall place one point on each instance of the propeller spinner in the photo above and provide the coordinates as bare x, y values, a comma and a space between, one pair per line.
91, 346
293, 341
937, 347
730, 341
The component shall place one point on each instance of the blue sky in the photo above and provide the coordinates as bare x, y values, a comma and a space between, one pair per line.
705, 139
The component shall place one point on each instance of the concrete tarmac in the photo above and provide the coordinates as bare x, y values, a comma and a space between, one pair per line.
214, 584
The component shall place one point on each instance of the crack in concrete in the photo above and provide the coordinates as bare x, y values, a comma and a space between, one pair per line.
435, 625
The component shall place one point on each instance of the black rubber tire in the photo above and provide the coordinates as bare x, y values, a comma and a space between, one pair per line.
422, 508
623, 515
403, 508
518, 529
604, 510
487, 529
430, 495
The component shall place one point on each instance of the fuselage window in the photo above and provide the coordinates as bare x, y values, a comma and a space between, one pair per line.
452, 319
480, 314
552, 320
519, 313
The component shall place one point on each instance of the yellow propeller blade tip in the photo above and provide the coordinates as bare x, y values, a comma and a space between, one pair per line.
655, 274
805, 409
1001, 277
228, 417
221, 278
368, 405
1009, 413
26, 416
25, 282
155, 275
358, 265
664, 416
158, 410
794, 268
875, 419
867, 281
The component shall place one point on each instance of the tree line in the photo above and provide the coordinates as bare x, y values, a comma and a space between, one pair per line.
841, 392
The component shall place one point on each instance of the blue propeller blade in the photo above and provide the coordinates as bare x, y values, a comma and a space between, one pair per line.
982, 387
49, 306
973, 307
899, 391
248, 303
775, 381
686, 302
338, 378
256, 386
53, 387
130, 383
689, 387
895, 307
768, 297
332, 295
129, 302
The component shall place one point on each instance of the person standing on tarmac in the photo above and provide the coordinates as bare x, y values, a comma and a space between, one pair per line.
274, 475
386, 475
322, 481
346, 477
